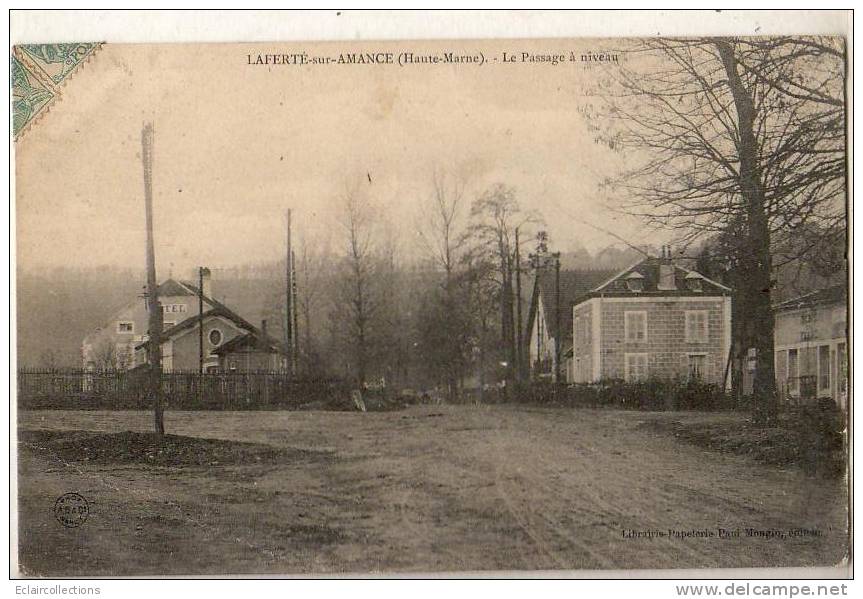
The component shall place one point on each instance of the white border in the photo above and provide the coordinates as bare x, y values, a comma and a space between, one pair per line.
265, 26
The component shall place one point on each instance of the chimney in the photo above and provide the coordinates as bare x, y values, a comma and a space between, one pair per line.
206, 282
264, 339
666, 271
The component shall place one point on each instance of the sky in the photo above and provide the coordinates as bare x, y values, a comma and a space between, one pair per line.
237, 144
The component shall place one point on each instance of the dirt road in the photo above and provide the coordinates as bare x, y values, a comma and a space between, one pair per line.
425, 489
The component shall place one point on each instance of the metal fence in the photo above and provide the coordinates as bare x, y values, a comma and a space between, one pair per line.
116, 389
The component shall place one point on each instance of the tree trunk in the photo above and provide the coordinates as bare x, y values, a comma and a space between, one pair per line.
758, 288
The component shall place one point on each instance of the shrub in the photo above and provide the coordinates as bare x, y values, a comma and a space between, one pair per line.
651, 394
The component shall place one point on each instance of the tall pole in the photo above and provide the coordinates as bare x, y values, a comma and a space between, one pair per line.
289, 337
295, 328
155, 308
201, 320
558, 341
519, 350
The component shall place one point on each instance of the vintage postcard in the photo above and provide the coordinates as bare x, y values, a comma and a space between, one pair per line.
465, 307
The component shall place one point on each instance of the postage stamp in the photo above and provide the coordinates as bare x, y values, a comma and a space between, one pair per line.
38, 74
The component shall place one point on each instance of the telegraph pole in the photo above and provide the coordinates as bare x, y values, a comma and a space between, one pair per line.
155, 308
295, 328
519, 350
201, 322
289, 284
558, 341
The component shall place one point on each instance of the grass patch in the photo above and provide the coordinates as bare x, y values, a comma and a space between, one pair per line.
143, 448
809, 439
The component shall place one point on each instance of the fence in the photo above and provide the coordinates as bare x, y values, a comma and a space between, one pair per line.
111, 389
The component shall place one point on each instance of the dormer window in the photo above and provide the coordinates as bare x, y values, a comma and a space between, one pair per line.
694, 282
635, 282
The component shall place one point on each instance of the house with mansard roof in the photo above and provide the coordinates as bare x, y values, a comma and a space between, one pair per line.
655, 319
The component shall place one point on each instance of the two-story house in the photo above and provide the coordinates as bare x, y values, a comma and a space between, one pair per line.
653, 320
811, 346
112, 346
122, 344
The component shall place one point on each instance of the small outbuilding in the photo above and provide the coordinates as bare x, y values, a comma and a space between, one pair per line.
253, 351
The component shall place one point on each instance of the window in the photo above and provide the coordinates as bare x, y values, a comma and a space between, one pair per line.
215, 337
636, 367
696, 326
635, 326
125, 326
167, 324
793, 371
232, 366
635, 282
697, 365
824, 368
582, 331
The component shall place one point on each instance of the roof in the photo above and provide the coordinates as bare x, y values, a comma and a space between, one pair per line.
649, 270
172, 288
573, 285
168, 288
249, 340
837, 294
218, 309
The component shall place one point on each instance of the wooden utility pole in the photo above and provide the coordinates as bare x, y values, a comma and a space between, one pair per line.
155, 308
558, 338
201, 322
289, 295
519, 350
295, 325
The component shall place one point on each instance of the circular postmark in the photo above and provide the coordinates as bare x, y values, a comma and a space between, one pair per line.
71, 510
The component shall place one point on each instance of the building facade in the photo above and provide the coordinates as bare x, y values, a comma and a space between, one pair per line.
654, 320
811, 347
122, 343
251, 352
112, 346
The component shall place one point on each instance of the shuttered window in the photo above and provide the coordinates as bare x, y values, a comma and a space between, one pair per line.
635, 326
696, 326
636, 367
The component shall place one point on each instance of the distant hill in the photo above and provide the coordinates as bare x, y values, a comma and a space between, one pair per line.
57, 308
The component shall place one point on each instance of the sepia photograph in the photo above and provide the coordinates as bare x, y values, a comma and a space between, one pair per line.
429, 307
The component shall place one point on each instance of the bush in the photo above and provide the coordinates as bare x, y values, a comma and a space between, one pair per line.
652, 394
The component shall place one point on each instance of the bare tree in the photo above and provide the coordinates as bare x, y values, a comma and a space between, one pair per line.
496, 215
481, 292
731, 133
359, 290
49, 359
442, 232
105, 355
313, 268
